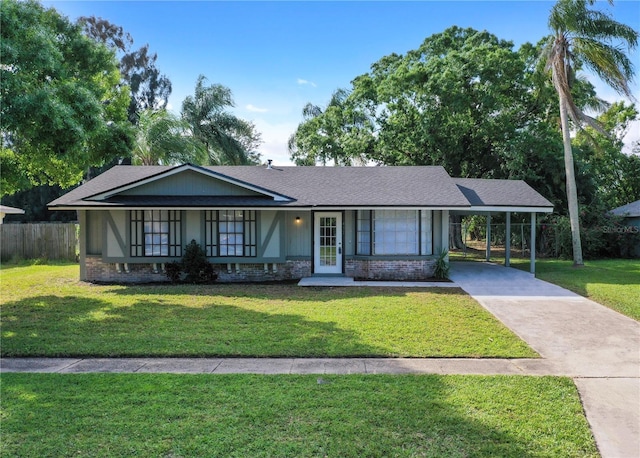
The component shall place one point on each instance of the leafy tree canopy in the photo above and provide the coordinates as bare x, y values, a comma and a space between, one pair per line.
61, 106
338, 134
465, 100
616, 174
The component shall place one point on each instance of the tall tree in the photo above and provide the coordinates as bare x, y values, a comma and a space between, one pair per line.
334, 134
150, 90
61, 107
163, 139
615, 174
463, 99
228, 139
589, 38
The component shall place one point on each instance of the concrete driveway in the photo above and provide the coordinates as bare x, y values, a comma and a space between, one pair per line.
577, 337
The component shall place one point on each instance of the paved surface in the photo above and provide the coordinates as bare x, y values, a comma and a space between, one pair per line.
576, 337
286, 366
348, 281
600, 348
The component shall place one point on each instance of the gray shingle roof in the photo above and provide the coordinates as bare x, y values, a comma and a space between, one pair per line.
631, 210
425, 186
500, 193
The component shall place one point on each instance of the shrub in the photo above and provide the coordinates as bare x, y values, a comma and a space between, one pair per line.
441, 271
173, 271
603, 236
194, 265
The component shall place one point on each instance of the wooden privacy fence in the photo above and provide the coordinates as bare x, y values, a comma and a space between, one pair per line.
39, 240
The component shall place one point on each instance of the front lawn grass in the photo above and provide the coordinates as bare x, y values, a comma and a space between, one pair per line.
614, 283
46, 311
113, 415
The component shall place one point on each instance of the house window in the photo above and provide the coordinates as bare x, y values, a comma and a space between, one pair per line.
394, 232
230, 233
156, 233
211, 232
363, 235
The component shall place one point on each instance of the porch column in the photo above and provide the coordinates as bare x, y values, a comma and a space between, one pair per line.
507, 246
444, 221
82, 220
488, 237
533, 243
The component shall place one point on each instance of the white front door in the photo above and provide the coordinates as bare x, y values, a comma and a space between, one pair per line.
327, 244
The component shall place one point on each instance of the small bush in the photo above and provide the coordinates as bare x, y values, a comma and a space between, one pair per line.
603, 236
173, 271
194, 265
441, 271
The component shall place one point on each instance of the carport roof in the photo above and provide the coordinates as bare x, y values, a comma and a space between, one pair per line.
500, 193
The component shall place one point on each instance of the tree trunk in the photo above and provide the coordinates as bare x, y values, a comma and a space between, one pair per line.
455, 235
572, 193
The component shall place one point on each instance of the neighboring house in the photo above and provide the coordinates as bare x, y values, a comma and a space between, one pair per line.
631, 215
4, 210
279, 223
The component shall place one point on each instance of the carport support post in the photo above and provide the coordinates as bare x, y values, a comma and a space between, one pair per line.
445, 227
507, 247
533, 243
488, 237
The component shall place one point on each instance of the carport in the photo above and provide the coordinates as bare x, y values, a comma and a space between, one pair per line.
491, 197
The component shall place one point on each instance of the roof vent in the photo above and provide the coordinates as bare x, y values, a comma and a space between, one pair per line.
269, 164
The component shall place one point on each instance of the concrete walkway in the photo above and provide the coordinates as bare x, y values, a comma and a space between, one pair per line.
348, 281
576, 337
338, 366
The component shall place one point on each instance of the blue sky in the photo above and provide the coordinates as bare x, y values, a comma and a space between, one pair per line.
277, 56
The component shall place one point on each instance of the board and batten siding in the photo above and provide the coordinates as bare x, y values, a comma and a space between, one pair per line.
189, 183
115, 234
94, 231
271, 235
298, 234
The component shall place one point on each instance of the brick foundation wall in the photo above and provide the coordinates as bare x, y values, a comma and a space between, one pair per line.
100, 271
392, 270
289, 270
397, 270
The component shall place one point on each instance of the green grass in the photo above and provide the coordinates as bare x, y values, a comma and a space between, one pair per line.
47, 312
614, 283
113, 415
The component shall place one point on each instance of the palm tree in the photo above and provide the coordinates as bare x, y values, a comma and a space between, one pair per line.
589, 38
228, 139
163, 139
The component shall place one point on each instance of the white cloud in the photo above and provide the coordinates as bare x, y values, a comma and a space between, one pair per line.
274, 140
303, 82
255, 109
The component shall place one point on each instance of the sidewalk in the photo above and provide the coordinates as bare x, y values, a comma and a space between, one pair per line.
338, 366
575, 337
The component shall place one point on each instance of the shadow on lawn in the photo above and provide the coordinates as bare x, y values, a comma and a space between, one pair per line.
284, 415
74, 326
